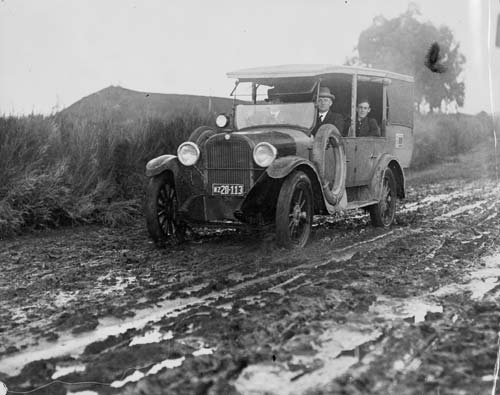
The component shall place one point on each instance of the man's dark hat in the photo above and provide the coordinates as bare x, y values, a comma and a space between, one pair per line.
325, 92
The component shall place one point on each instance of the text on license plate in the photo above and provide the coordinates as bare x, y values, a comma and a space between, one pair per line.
227, 189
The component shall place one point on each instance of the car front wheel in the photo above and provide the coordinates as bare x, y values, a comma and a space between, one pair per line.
161, 210
382, 213
294, 211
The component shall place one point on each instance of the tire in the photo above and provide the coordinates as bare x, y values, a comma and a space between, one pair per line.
328, 155
382, 213
294, 211
161, 210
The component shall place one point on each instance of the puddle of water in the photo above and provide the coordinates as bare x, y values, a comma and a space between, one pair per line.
64, 370
138, 375
276, 378
152, 336
203, 351
427, 201
478, 288
63, 298
460, 210
120, 285
492, 261
394, 308
71, 344
279, 288
168, 363
481, 280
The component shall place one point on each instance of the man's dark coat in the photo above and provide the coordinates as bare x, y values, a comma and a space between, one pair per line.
332, 118
367, 127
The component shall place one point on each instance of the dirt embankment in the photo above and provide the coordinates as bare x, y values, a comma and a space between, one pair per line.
408, 310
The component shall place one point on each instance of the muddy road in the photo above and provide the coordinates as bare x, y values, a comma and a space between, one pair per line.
413, 309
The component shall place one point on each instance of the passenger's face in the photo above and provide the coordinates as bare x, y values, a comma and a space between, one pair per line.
363, 110
324, 104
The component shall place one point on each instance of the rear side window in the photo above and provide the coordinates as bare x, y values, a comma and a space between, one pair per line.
400, 101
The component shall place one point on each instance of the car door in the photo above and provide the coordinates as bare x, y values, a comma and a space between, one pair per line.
350, 154
367, 152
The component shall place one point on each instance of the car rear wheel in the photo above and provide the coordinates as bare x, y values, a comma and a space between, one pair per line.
382, 213
162, 210
294, 211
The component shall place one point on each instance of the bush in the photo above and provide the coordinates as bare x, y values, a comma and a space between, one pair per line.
64, 171
439, 137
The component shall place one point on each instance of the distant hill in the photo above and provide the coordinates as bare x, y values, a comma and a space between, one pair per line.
126, 105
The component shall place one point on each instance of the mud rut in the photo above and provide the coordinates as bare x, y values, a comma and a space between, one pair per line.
408, 310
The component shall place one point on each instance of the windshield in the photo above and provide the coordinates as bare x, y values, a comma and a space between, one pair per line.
291, 114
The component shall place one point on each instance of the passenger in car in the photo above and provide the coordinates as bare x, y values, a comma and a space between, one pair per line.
365, 126
325, 114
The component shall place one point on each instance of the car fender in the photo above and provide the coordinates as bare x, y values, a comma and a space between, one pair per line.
282, 167
161, 163
387, 161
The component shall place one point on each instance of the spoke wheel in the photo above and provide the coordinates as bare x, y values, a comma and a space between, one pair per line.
382, 213
161, 210
294, 211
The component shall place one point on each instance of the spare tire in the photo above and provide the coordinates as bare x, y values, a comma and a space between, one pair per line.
328, 155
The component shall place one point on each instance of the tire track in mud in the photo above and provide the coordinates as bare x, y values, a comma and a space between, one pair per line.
69, 343
343, 265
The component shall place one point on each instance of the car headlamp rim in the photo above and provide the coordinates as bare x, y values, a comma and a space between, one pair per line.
188, 153
222, 120
264, 154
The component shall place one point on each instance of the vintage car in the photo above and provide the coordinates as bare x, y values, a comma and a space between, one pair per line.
261, 165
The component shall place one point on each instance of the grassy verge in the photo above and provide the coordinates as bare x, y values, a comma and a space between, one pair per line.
481, 163
68, 172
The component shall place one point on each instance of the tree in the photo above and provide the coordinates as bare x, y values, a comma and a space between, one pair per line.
405, 45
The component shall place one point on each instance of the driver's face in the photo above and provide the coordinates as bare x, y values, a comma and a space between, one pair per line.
324, 104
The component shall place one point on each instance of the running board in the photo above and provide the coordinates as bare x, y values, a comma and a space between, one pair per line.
360, 203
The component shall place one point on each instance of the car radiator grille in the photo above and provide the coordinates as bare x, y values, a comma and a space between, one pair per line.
229, 162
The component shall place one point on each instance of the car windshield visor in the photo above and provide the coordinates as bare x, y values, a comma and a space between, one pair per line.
299, 115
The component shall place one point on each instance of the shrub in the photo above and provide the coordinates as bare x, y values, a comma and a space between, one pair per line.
69, 171
439, 137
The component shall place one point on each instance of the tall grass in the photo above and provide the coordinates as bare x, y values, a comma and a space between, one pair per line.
439, 137
63, 171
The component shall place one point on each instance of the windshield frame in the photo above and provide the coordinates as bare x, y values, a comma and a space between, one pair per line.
264, 110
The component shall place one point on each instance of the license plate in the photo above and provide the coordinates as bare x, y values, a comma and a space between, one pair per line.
227, 189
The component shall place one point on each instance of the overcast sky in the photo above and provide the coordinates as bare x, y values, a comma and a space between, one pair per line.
54, 52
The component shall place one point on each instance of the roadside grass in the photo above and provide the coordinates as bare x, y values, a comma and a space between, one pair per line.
65, 171
481, 163
69, 172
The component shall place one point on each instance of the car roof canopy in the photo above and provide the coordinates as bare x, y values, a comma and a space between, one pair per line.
270, 74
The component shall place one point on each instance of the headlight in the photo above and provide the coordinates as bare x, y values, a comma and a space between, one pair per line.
188, 153
264, 154
221, 121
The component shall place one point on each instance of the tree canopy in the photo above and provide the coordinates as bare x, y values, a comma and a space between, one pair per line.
407, 46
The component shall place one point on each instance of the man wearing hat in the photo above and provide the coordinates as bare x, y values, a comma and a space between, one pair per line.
325, 115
